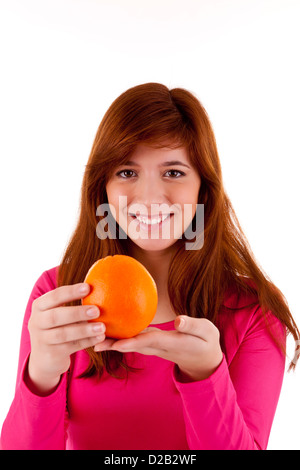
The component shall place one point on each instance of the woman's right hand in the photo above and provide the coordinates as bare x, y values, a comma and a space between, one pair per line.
58, 331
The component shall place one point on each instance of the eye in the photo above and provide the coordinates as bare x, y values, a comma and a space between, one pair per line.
126, 174
174, 173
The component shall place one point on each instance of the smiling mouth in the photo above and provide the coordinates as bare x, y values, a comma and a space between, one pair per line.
150, 221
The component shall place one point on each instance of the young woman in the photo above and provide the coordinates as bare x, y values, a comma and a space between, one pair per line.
207, 373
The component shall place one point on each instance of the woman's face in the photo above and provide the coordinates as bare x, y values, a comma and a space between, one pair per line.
154, 196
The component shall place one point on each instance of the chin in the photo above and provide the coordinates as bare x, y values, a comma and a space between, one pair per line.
154, 245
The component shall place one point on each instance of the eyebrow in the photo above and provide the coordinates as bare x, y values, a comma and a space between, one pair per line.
169, 163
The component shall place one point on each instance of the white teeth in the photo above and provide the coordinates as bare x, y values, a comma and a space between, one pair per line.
155, 220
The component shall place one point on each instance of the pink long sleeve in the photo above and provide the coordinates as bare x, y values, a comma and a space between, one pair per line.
153, 409
34, 422
238, 402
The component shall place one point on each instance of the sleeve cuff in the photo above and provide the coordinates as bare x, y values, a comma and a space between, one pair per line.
42, 401
201, 386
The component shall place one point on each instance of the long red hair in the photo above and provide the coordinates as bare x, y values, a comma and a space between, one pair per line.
198, 279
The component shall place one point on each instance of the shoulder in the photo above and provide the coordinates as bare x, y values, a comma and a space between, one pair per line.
46, 282
237, 297
48, 278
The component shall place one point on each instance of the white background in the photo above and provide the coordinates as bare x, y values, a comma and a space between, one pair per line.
62, 64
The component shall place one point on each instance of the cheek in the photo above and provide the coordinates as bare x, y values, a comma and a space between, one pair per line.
115, 189
187, 194
187, 197
118, 201
114, 192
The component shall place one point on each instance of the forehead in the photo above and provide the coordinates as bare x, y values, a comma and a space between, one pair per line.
145, 154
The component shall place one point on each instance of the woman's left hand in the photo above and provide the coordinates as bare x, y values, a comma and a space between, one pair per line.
194, 346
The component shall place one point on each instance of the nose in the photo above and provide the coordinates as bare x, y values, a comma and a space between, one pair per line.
150, 190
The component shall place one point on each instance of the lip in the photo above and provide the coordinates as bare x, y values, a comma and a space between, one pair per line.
164, 218
153, 216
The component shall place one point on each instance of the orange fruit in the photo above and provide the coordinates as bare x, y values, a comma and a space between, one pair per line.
125, 293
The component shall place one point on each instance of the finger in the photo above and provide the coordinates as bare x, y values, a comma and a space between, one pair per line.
113, 344
148, 329
199, 327
62, 295
84, 343
73, 333
59, 316
154, 340
141, 348
104, 345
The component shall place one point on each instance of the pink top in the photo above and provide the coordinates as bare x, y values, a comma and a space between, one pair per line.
232, 409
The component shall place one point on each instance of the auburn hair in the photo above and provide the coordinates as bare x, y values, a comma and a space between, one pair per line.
152, 114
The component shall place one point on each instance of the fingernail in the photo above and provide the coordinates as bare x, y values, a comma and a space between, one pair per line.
97, 328
84, 288
180, 322
92, 312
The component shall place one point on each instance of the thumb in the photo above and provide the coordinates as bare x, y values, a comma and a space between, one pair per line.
200, 327
181, 323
